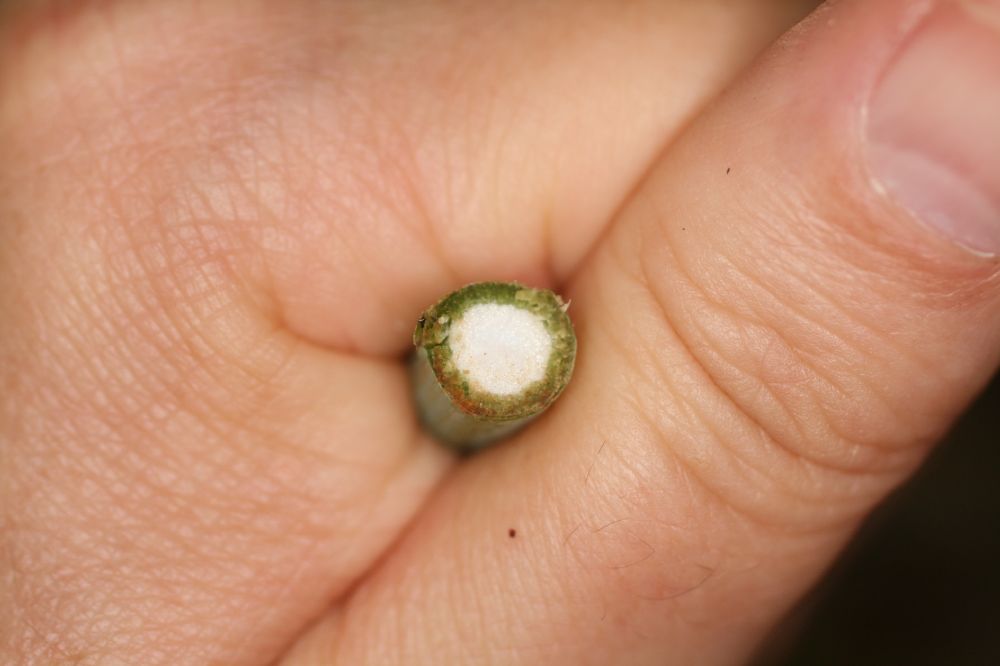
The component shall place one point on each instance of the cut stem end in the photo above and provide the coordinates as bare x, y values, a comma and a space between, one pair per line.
490, 357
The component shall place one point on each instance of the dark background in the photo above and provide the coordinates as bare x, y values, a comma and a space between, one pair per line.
921, 583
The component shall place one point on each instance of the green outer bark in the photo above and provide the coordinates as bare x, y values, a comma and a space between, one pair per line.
458, 412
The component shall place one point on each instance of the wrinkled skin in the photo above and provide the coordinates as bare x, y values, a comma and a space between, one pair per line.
219, 221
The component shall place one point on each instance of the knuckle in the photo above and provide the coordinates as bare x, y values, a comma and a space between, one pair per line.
136, 260
247, 125
781, 388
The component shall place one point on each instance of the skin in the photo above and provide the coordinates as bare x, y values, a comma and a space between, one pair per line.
220, 220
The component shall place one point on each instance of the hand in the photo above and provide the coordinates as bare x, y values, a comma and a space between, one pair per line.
219, 221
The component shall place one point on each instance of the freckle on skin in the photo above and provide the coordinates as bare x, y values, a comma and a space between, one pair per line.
512, 533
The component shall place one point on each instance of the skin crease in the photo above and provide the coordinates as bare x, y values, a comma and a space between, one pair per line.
219, 221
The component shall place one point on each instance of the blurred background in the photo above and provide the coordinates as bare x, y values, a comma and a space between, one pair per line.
921, 583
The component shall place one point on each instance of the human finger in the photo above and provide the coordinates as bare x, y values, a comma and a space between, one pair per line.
792, 308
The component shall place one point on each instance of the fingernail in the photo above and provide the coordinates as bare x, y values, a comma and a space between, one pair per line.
934, 124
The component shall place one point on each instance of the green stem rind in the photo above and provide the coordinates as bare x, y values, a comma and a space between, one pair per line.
458, 411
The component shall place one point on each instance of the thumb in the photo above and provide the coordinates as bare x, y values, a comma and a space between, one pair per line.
795, 304
826, 249
823, 249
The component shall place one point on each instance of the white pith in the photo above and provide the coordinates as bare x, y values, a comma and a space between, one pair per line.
500, 349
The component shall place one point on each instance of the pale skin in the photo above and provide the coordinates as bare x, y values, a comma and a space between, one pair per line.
220, 220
